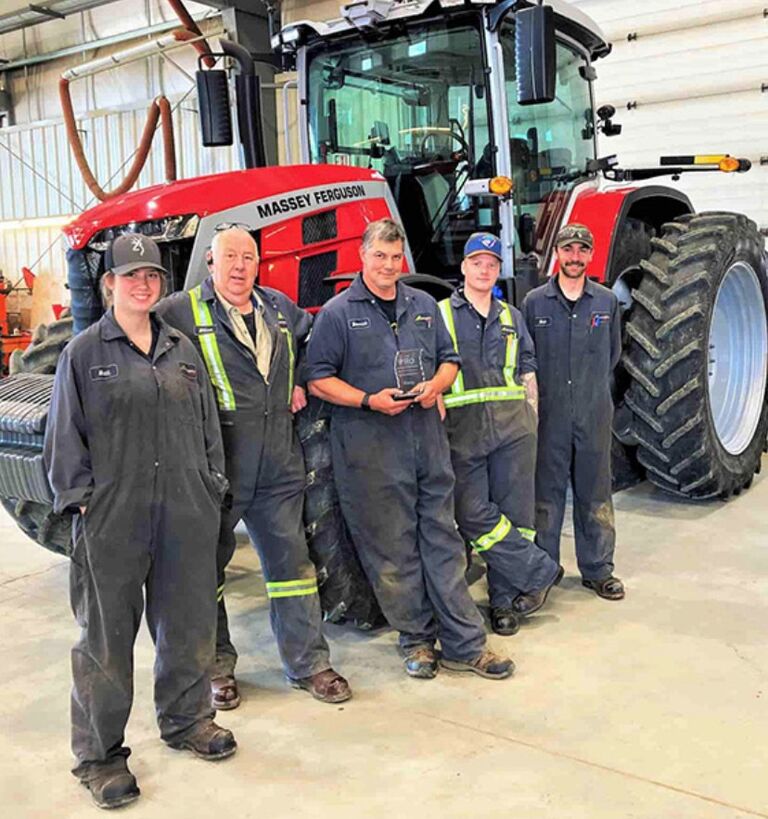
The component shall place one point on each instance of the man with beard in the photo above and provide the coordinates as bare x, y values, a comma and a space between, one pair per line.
576, 329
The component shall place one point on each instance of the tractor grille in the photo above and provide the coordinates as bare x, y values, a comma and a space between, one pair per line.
319, 228
313, 291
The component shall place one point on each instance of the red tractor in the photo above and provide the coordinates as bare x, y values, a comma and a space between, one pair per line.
454, 117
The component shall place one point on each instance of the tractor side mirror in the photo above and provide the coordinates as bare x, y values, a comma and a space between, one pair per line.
535, 55
213, 105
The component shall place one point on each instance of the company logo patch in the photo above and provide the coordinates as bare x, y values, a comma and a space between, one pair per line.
359, 324
600, 318
188, 370
423, 318
542, 321
103, 372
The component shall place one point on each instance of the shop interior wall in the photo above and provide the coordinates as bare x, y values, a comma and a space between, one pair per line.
689, 77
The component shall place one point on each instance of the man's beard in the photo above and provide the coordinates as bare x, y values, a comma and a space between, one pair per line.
580, 268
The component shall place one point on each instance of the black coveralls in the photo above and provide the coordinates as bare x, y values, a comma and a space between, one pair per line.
393, 473
266, 473
576, 350
493, 448
137, 442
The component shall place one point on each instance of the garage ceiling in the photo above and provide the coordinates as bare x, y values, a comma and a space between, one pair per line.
18, 15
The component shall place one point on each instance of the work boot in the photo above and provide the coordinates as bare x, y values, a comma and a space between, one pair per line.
487, 664
111, 784
326, 686
420, 662
504, 621
528, 603
207, 741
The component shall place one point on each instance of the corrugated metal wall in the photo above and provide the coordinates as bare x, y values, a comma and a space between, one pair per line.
690, 77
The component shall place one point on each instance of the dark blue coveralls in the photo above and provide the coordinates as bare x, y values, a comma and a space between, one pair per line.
264, 466
492, 430
393, 473
576, 350
137, 442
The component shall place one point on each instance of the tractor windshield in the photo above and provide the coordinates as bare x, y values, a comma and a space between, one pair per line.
413, 106
550, 144
416, 105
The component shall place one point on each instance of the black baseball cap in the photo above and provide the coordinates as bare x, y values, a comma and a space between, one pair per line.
132, 251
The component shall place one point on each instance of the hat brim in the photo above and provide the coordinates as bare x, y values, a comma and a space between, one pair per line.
123, 269
480, 252
565, 242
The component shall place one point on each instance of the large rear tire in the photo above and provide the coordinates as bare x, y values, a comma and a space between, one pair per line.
38, 520
698, 354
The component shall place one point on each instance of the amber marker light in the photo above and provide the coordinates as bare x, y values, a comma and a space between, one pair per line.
729, 164
501, 185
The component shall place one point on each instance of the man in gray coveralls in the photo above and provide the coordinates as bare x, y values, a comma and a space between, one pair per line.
576, 328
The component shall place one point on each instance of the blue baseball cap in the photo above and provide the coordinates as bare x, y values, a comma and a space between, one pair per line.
483, 243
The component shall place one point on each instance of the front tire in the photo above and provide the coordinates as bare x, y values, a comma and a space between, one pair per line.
698, 355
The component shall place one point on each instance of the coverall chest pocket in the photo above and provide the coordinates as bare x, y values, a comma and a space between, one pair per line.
422, 334
182, 390
599, 340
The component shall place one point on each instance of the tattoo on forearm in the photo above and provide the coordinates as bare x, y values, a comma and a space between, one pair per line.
531, 390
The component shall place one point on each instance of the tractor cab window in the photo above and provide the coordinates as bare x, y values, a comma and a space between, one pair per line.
415, 108
550, 144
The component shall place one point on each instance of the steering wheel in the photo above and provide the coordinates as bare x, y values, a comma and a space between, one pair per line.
458, 156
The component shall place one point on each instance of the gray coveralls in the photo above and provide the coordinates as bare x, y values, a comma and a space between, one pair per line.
492, 430
265, 469
393, 473
137, 442
576, 351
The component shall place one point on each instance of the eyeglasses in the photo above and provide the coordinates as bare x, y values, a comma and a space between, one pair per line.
232, 225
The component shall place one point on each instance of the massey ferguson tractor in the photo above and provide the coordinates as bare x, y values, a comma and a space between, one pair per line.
452, 116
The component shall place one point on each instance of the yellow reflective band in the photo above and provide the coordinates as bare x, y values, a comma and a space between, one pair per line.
445, 309
459, 397
211, 353
220, 593
291, 355
528, 534
490, 539
292, 588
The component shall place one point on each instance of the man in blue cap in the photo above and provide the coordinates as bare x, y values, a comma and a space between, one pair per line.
576, 327
491, 422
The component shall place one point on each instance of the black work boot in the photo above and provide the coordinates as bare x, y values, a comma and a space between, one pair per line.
207, 741
111, 784
504, 622
420, 662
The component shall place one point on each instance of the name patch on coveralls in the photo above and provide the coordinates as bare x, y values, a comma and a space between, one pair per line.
508, 331
542, 321
359, 324
103, 372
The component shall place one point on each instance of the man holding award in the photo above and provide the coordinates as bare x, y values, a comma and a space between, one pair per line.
380, 353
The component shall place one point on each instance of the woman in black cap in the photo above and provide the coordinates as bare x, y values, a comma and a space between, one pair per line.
133, 446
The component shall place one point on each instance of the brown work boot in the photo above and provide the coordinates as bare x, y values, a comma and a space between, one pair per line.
111, 784
326, 686
207, 741
420, 662
487, 664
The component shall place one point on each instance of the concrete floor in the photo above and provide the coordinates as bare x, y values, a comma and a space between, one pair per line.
653, 707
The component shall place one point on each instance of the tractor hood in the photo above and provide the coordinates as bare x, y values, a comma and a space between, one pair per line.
204, 195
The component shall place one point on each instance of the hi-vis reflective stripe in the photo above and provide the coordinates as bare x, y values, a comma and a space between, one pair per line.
291, 355
211, 354
490, 539
528, 534
220, 593
292, 588
459, 397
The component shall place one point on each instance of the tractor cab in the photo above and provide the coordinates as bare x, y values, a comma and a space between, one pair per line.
428, 95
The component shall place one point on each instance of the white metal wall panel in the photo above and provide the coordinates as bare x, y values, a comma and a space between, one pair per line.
688, 78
